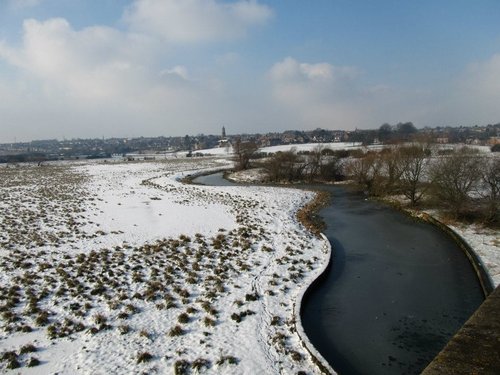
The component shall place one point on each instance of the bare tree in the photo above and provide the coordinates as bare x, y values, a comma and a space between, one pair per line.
392, 169
332, 169
413, 162
454, 177
284, 166
491, 184
314, 161
366, 172
243, 153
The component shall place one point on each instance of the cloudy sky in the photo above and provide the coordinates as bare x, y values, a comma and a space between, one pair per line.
127, 68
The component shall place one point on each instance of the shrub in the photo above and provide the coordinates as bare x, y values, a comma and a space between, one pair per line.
131, 309
42, 319
79, 326
144, 333
171, 305
160, 306
122, 315
28, 348
7, 356
124, 329
236, 317
205, 305
181, 367
183, 318
52, 331
33, 361
184, 293
144, 357
200, 364
26, 329
176, 331
276, 321
227, 359
213, 312
252, 297
296, 356
13, 363
100, 319
191, 310
208, 322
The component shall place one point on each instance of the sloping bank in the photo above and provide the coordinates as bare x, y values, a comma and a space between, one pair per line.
308, 216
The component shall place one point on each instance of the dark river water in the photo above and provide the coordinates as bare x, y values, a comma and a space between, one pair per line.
214, 179
397, 290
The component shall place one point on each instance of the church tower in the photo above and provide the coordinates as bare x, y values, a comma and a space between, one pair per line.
223, 141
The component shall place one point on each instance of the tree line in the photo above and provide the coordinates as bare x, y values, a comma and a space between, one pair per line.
462, 181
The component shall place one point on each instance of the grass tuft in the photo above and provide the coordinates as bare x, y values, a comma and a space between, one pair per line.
144, 357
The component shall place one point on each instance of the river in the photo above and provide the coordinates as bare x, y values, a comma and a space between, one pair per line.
396, 292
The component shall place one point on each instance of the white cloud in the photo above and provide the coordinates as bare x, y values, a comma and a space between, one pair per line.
196, 20
291, 69
472, 97
479, 88
94, 63
178, 70
97, 80
319, 94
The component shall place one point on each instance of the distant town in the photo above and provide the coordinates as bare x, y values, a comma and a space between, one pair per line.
53, 149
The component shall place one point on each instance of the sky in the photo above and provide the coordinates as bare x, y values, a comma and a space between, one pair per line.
130, 68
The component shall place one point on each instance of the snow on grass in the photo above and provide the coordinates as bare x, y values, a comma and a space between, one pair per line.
311, 146
222, 151
112, 268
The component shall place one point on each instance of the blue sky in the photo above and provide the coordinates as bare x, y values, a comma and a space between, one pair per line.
128, 68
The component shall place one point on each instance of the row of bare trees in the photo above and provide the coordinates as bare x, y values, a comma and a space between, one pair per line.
318, 164
462, 181
393, 170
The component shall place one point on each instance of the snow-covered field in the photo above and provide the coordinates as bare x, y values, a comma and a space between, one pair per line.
118, 268
110, 267
297, 147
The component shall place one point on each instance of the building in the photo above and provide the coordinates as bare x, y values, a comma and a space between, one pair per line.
224, 141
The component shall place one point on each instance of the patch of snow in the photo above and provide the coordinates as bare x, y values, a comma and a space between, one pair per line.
253, 175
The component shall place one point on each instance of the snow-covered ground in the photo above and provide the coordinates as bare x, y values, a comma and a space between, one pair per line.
118, 268
296, 147
486, 244
105, 263
312, 146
